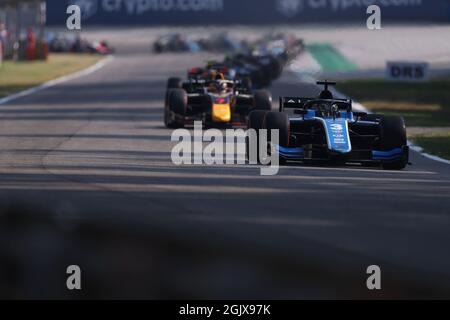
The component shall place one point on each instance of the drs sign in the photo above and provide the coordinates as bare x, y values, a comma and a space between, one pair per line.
407, 71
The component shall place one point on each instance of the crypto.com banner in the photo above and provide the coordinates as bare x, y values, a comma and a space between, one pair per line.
187, 12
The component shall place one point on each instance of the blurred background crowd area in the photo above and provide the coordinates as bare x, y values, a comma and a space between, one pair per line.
24, 35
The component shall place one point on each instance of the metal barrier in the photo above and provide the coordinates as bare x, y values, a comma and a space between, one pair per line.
22, 25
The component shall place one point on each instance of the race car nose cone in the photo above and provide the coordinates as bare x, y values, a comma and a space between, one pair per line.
221, 113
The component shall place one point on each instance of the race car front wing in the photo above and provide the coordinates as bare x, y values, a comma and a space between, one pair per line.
361, 156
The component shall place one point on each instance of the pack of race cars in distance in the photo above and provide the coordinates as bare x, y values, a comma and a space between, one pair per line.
224, 93
223, 42
261, 61
326, 129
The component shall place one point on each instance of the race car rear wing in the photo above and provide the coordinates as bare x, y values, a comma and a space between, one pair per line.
194, 81
299, 103
197, 81
198, 85
292, 103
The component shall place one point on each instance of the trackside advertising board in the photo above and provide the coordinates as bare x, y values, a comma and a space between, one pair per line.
262, 12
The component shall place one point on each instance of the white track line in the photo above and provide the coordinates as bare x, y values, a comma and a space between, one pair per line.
56, 81
427, 155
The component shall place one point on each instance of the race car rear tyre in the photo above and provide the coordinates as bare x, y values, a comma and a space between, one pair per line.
177, 103
278, 121
255, 121
393, 136
174, 83
263, 100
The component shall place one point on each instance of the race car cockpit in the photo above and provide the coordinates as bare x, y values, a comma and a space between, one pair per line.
220, 87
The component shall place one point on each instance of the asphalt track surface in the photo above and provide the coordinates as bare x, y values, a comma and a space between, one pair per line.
94, 151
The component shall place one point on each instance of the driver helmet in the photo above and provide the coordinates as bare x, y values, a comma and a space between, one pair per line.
326, 94
218, 75
221, 87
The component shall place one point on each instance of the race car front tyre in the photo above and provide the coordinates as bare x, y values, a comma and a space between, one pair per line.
393, 136
256, 122
278, 121
168, 121
177, 104
263, 100
256, 119
174, 83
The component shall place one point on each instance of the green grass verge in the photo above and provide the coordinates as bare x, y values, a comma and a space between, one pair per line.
423, 105
329, 58
435, 144
18, 76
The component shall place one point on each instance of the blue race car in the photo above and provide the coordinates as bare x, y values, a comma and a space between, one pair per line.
326, 129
